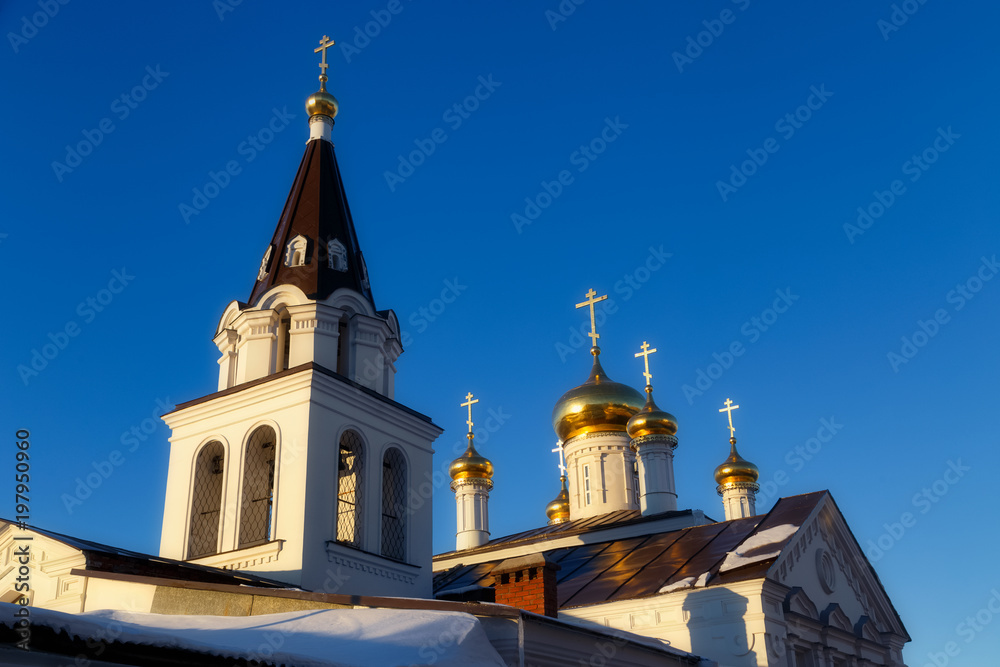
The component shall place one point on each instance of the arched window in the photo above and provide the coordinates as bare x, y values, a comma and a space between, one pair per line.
343, 345
394, 505
284, 341
350, 489
295, 251
206, 503
258, 488
336, 255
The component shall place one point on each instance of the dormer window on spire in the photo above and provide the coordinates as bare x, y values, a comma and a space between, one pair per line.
295, 251
336, 255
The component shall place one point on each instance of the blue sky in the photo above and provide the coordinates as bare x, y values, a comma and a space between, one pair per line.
736, 169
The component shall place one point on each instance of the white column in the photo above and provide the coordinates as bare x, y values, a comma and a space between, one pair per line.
256, 346
606, 457
226, 342
472, 496
657, 491
739, 502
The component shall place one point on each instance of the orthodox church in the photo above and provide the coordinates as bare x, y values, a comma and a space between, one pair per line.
288, 505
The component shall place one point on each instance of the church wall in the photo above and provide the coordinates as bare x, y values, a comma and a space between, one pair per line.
722, 623
606, 460
231, 420
118, 595
332, 567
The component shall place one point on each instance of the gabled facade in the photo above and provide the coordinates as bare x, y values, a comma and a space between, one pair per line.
789, 588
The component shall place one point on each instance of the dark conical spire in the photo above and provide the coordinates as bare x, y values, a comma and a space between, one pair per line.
316, 211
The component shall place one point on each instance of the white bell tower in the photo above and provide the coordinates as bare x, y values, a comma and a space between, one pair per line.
302, 467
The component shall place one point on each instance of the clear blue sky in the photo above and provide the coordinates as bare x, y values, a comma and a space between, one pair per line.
879, 97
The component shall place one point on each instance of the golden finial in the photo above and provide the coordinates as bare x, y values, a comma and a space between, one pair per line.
324, 44
729, 408
468, 403
562, 465
593, 322
645, 358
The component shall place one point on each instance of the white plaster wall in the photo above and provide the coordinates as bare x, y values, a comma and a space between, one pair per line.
611, 473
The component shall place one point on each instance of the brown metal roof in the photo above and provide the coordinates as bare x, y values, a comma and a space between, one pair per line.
640, 566
317, 209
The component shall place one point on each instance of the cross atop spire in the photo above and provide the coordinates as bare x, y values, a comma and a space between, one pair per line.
593, 322
562, 465
324, 44
468, 403
645, 358
729, 408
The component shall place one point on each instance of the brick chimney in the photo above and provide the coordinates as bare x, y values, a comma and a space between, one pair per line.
529, 583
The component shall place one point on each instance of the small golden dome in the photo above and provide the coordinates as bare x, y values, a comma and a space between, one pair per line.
651, 420
596, 405
322, 103
471, 465
558, 510
736, 469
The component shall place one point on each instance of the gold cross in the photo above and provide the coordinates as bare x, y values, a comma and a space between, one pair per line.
562, 466
324, 44
729, 408
593, 323
645, 357
468, 403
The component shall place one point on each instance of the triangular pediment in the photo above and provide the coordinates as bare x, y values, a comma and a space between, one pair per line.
50, 562
824, 560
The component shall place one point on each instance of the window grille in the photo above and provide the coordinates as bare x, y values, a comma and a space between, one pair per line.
393, 505
350, 489
206, 503
258, 488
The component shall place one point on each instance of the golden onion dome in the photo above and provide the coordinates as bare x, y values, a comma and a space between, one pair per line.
651, 420
322, 103
736, 469
558, 510
471, 465
596, 405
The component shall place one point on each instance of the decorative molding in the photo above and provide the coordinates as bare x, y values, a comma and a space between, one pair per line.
335, 552
825, 570
664, 438
242, 559
295, 251
262, 273
336, 255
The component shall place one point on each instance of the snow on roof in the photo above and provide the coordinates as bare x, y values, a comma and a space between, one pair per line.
771, 537
686, 582
325, 637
